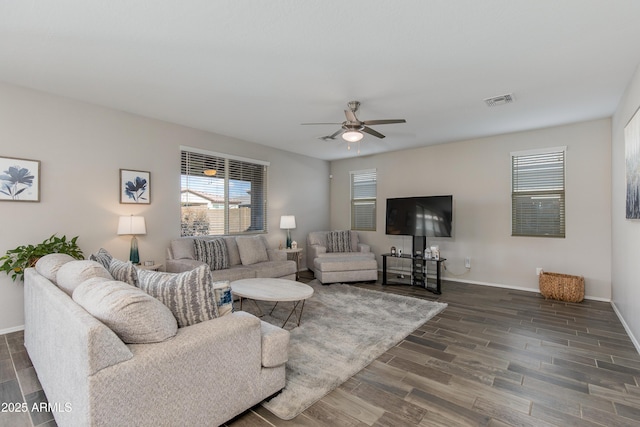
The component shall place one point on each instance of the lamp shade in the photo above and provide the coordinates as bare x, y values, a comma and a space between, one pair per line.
287, 222
132, 225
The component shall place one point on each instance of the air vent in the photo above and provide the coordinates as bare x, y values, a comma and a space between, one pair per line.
499, 100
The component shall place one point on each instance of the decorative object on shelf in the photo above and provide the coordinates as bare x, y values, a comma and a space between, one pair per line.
19, 180
135, 187
15, 261
133, 225
287, 222
393, 251
294, 245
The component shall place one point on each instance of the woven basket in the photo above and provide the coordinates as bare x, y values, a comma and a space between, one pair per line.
562, 287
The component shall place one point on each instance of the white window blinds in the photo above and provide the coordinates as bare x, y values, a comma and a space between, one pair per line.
222, 194
538, 193
363, 200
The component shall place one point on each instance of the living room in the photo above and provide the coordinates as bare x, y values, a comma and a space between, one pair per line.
82, 146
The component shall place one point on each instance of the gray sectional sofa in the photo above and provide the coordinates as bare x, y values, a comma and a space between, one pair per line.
202, 374
248, 257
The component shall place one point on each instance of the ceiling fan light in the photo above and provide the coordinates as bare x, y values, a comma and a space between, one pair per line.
352, 136
210, 172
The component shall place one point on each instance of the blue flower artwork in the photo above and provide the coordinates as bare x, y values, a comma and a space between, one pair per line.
134, 187
136, 190
19, 179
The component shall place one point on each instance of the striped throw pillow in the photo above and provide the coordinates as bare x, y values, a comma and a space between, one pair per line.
190, 295
339, 241
213, 252
123, 271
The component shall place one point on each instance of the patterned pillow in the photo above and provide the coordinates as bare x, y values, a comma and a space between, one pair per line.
224, 297
189, 295
103, 257
123, 271
213, 252
339, 241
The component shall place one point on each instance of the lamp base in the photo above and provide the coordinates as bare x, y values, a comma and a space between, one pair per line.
288, 239
134, 256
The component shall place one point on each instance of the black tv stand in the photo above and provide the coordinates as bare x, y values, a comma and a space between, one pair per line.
418, 270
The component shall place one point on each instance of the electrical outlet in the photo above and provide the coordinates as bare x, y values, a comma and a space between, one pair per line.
467, 262
538, 271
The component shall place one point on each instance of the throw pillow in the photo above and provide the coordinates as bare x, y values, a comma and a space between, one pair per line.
212, 252
224, 297
136, 317
189, 295
182, 248
103, 257
49, 265
123, 271
73, 273
339, 241
252, 250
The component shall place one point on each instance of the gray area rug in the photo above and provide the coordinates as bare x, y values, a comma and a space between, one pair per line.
343, 329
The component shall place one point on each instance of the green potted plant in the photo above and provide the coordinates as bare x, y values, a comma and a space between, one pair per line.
15, 261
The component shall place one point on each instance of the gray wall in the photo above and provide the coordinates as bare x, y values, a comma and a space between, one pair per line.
82, 147
477, 174
625, 255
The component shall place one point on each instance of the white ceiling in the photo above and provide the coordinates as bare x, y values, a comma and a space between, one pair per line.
256, 69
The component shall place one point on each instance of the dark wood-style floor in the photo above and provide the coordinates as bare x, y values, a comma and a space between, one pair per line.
494, 357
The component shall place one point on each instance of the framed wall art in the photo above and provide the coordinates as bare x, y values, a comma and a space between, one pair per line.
135, 187
19, 180
632, 163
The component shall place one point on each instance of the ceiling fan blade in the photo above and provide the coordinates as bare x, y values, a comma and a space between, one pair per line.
304, 124
332, 136
351, 116
384, 122
372, 132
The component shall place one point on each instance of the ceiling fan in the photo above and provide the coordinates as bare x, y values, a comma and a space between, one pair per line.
352, 129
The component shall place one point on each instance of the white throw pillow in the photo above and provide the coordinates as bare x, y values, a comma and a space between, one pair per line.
135, 316
73, 273
49, 265
252, 250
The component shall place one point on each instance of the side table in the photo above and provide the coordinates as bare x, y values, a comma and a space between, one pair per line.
154, 267
295, 255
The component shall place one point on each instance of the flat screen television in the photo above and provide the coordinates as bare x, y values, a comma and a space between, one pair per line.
429, 216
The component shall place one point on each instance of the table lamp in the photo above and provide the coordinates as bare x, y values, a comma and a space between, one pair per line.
288, 222
132, 225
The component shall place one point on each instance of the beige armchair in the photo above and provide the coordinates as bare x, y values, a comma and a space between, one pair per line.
330, 244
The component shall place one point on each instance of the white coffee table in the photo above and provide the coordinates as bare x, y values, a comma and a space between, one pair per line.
276, 290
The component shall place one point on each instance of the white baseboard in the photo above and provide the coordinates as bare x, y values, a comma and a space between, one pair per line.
9, 330
626, 327
517, 288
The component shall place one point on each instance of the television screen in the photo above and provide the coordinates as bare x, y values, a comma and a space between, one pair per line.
430, 216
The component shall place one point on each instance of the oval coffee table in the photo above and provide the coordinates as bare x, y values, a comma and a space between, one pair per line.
276, 290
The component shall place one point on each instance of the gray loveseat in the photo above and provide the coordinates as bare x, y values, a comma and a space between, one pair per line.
248, 257
205, 374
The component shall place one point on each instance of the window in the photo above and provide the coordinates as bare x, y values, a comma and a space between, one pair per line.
537, 195
363, 200
221, 194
